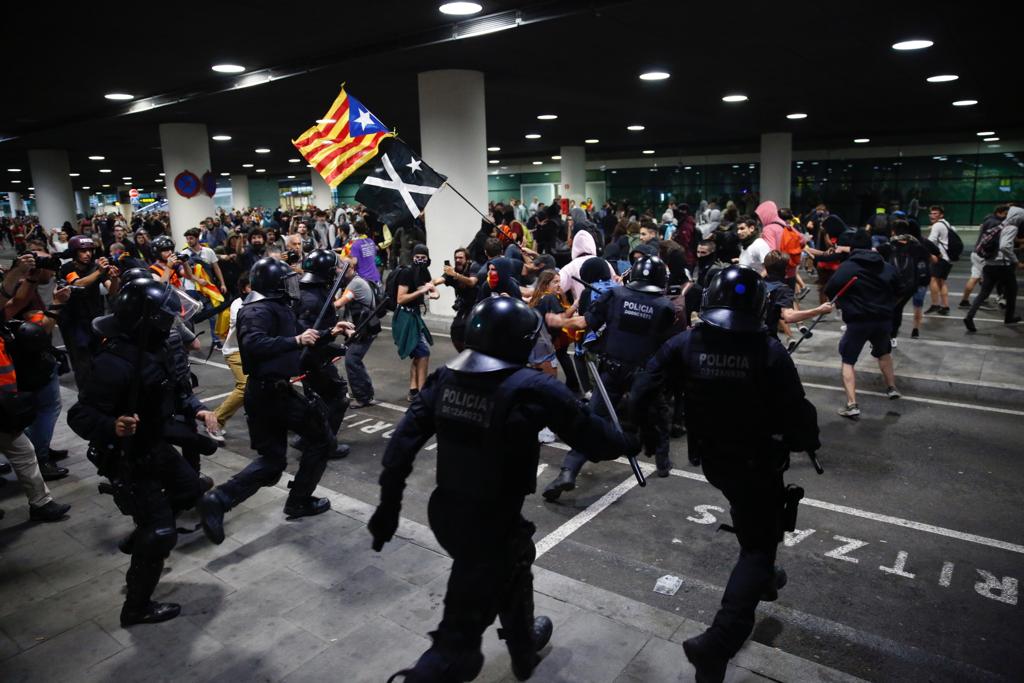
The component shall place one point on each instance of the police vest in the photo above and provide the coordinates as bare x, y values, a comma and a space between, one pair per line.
485, 449
637, 325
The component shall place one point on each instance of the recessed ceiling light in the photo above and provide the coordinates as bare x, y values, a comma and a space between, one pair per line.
687, 168
106, 186
654, 76
327, 120
158, 180
74, 175
985, 132
291, 177
532, 136
86, 187
18, 182
261, 170
119, 96
591, 141
993, 146
262, 150
942, 78
309, 165
965, 103
228, 68
247, 165
225, 174
460, 8
493, 161
916, 44
105, 170
127, 177
547, 117
648, 151
161, 174
861, 141
556, 157
96, 158
294, 161
992, 139
494, 149
221, 138
735, 98
536, 163
14, 170
796, 116
635, 127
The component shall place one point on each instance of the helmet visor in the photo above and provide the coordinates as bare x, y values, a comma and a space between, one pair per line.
291, 286
181, 305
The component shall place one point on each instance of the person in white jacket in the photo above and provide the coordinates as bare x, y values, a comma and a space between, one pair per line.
1001, 268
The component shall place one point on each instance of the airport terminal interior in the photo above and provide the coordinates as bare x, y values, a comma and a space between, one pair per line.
550, 340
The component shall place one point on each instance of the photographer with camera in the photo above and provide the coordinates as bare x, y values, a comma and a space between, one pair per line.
83, 275
462, 278
202, 262
38, 362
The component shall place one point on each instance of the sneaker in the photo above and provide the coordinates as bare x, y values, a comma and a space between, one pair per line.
1002, 302
934, 308
915, 333
357, 404
964, 304
58, 454
51, 512
52, 472
153, 613
215, 434
852, 411
893, 393
546, 436
969, 324
944, 310
791, 346
708, 664
413, 393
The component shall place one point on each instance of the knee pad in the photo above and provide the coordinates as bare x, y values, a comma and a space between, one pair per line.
156, 542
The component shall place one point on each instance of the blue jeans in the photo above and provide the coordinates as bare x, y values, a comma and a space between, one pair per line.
358, 378
47, 405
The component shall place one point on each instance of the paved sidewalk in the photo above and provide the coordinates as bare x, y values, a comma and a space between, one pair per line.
298, 601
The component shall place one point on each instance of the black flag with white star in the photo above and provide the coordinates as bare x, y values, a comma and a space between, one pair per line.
400, 186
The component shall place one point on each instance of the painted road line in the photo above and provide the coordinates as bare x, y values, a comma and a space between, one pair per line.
918, 399
593, 510
203, 361
830, 334
204, 399
434, 334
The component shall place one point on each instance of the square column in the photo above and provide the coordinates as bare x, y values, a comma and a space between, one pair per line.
776, 167
240, 191
574, 173
55, 199
185, 147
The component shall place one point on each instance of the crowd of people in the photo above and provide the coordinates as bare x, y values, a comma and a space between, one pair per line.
284, 295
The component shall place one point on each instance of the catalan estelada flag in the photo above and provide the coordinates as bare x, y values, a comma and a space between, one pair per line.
345, 140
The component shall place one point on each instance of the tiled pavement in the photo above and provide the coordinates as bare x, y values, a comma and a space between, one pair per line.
303, 600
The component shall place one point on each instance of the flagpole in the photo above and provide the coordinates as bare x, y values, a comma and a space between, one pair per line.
485, 217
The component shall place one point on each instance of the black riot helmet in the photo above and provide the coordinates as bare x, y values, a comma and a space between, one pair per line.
31, 338
161, 244
648, 274
144, 309
500, 333
319, 267
272, 278
735, 300
136, 273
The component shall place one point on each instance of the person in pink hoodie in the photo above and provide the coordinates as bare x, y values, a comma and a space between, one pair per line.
583, 247
772, 229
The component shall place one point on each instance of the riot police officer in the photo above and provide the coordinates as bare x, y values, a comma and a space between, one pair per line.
729, 358
122, 411
636, 319
486, 409
270, 341
320, 268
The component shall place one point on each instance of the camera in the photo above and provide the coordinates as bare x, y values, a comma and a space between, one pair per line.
43, 262
292, 257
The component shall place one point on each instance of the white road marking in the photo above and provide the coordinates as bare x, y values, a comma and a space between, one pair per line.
203, 361
946, 577
899, 567
442, 334
204, 399
918, 399
594, 509
1002, 590
849, 545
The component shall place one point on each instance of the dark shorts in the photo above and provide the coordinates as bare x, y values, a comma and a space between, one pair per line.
860, 332
422, 349
824, 275
940, 270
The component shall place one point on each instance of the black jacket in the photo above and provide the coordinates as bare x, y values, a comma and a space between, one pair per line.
266, 340
873, 295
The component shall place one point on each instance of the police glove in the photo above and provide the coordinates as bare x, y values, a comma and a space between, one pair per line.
631, 443
383, 524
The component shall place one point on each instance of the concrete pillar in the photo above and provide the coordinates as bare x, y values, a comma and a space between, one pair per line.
776, 167
55, 199
82, 205
574, 174
323, 198
453, 128
124, 202
16, 202
240, 191
185, 147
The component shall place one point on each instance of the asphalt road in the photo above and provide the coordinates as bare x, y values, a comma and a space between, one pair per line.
906, 561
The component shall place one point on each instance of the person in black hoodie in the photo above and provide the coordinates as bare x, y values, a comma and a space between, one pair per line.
867, 308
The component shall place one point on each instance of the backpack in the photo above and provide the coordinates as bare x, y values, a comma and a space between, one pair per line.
955, 245
598, 289
391, 287
912, 271
988, 242
792, 244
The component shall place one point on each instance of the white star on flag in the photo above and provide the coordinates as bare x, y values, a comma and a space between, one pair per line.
403, 189
364, 118
414, 164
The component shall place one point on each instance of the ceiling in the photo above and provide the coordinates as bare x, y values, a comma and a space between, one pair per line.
579, 60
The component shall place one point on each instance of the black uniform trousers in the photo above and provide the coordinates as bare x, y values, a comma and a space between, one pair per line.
492, 551
157, 491
329, 385
617, 381
273, 407
756, 500
1005, 275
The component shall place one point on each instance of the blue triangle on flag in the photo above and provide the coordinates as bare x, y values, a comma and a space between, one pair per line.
361, 121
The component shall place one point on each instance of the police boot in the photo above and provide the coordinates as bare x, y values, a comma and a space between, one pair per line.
775, 583
212, 507
565, 481
205, 483
664, 465
678, 429
152, 613
709, 664
127, 544
524, 651
297, 443
441, 666
305, 507
340, 451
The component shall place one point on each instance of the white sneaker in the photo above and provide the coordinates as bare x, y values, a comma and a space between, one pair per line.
546, 436
215, 434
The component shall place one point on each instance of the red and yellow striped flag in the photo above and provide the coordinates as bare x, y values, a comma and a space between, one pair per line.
346, 138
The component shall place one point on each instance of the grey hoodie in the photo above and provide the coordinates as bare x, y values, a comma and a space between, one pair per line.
1011, 227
